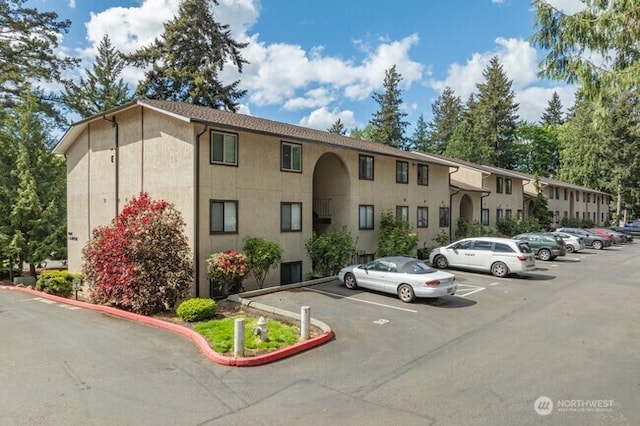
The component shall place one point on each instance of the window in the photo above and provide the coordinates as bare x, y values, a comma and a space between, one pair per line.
499, 214
499, 185
290, 272
366, 217
508, 186
485, 217
502, 248
444, 217
557, 193
224, 148
482, 245
577, 195
423, 174
588, 197
550, 192
291, 157
556, 216
402, 172
423, 217
366, 167
402, 213
507, 213
290, 217
565, 214
520, 214
223, 217
565, 194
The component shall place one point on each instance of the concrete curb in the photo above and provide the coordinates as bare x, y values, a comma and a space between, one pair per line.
199, 340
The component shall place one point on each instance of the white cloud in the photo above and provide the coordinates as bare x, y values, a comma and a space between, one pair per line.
567, 6
323, 118
72, 4
534, 100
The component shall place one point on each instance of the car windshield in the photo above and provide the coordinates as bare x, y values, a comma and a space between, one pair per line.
417, 267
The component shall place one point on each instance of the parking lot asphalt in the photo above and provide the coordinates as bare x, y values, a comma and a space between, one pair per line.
569, 332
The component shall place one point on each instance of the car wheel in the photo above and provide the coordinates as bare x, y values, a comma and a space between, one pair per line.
350, 281
570, 248
544, 254
499, 269
597, 245
441, 262
405, 293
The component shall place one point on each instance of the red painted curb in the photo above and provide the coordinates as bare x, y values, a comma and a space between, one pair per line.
197, 338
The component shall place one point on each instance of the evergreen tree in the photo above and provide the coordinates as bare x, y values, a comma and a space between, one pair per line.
337, 127
34, 216
537, 149
447, 113
465, 146
387, 122
496, 115
608, 29
541, 207
102, 90
420, 138
552, 115
187, 57
366, 133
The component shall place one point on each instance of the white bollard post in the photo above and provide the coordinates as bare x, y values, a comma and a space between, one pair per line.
305, 319
238, 337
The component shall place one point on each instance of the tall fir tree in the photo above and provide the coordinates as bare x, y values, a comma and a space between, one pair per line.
185, 60
420, 137
536, 149
447, 112
552, 115
496, 116
387, 123
337, 127
104, 88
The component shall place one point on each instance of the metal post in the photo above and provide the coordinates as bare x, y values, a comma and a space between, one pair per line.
238, 337
305, 319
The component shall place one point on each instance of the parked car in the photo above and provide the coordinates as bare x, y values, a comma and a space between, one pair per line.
590, 239
405, 276
500, 256
625, 231
545, 246
573, 243
634, 228
608, 234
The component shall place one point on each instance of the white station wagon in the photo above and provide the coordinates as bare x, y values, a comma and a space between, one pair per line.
500, 256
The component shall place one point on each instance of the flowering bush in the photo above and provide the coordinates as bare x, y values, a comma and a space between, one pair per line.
141, 262
227, 270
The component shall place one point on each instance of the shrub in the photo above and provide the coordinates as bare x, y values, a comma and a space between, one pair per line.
227, 270
466, 229
395, 237
330, 252
197, 309
262, 256
141, 262
57, 282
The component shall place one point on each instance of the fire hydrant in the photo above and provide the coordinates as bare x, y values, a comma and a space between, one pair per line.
261, 329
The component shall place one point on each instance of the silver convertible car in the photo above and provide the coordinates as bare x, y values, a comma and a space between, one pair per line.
405, 276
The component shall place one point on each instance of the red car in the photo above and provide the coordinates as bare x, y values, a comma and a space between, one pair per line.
602, 233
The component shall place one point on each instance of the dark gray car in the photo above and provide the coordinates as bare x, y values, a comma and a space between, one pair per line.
590, 239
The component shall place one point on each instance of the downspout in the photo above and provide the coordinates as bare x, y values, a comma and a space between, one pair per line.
486, 194
196, 238
114, 123
451, 203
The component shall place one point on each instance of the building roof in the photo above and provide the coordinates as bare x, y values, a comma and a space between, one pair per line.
226, 120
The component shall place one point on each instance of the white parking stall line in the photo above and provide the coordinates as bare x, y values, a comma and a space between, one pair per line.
51, 302
358, 300
471, 289
494, 283
70, 307
47, 301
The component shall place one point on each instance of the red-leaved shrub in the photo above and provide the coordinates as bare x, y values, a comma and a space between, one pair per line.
141, 262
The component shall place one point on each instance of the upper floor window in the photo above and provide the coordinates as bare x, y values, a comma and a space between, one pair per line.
577, 195
402, 172
499, 185
508, 186
423, 174
402, 213
291, 158
588, 197
365, 169
565, 194
223, 216
557, 193
224, 148
550, 192
365, 217
290, 217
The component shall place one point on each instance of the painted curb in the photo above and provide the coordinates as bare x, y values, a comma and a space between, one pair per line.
199, 340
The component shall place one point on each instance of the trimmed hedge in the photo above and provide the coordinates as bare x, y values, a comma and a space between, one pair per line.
57, 282
197, 309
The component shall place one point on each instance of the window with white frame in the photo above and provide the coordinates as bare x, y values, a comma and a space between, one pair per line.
223, 217
224, 148
291, 158
291, 217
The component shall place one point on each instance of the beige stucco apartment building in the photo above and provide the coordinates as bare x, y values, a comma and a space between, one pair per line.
233, 175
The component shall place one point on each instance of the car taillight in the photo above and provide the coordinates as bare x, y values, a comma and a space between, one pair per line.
522, 258
433, 283
559, 246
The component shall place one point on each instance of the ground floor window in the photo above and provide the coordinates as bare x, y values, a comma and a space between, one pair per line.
366, 217
423, 217
402, 213
290, 272
223, 216
485, 217
444, 217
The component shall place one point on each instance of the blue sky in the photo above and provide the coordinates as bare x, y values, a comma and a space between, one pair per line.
312, 62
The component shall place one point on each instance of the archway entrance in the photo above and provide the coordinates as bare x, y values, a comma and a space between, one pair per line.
466, 208
331, 194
